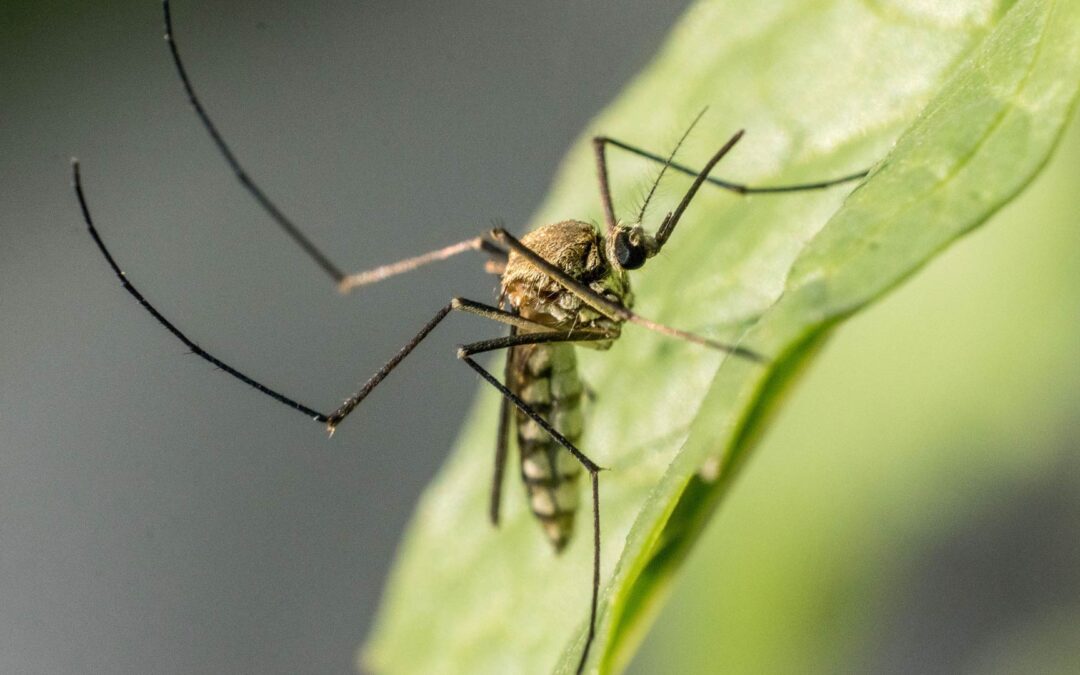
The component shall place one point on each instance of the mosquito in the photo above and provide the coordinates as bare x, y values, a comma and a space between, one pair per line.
563, 285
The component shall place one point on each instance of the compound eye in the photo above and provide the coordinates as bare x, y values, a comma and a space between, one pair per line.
628, 254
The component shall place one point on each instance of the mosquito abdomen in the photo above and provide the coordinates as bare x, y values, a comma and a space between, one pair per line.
545, 377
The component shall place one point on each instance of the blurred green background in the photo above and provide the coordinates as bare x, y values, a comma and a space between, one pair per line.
916, 505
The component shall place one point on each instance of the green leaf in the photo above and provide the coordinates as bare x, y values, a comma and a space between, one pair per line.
970, 97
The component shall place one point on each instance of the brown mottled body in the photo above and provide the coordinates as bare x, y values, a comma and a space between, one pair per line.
545, 375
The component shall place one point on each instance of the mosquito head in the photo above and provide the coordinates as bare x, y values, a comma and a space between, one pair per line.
630, 246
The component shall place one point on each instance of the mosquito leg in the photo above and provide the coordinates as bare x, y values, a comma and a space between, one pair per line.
502, 443
381, 272
496, 314
334, 418
465, 352
331, 420
514, 340
589, 465
728, 185
613, 310
605, 188
195, 349
345, 282
519, 339
599, 145
460, 304
594, 480
238, 170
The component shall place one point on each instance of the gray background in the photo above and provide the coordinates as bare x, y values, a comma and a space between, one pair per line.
156, 516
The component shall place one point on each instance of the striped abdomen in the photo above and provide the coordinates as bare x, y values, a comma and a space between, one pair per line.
545, 376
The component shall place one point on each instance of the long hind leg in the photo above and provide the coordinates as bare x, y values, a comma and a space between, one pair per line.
502, 444
589, 465
465, 353
330, 419
345, 282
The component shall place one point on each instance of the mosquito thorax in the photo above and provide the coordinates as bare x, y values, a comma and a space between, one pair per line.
579, 250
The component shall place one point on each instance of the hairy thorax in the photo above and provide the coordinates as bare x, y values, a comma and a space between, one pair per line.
577, 249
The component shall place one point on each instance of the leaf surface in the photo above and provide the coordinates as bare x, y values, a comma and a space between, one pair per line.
957, 105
